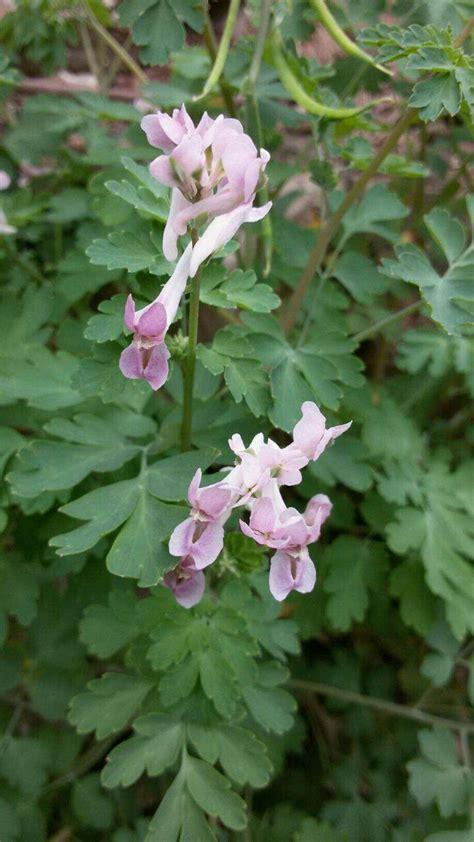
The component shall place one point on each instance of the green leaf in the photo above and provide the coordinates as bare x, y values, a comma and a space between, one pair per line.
354, 568
178, 816
76, 277
9, 821
90, 805
153, 201
347, 463
437, 776
154, 747
108, 703
360, 276
217, 681
127, 250
374, 214
105, 630
211, 791
417, 603
438, 524
242, 756
160, 31
272, 708
439, 666
40, 378
108, 324
138, 550
90, 443
239, 289
10, 442
24, 763
310, 372
19, 589
312, 830
450, 296
169, 478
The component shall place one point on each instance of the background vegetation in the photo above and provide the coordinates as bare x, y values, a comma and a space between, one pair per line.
340, 715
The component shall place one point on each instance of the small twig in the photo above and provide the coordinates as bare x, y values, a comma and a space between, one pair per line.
326, 234
86, 762
89, 52
56, 85
10, 729
384, 706
378, 326
115, 46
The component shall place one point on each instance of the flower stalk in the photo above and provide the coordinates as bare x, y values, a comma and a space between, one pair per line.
189, 366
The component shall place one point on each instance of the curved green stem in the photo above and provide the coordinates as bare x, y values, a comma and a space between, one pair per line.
383, 705
211, 46
223, 50
331, 25
301, 97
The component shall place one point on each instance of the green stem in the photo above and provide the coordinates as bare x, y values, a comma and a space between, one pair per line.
350, 47
87, 761
190, 362
254, 122
394, 317
384, 706
298, 93
265, 15
90, 53
212, 47
326, 234
10, 729
114, 45
223, 49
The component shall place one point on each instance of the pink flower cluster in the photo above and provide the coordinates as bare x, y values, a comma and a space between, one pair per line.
261, 469
147, 356
214, 170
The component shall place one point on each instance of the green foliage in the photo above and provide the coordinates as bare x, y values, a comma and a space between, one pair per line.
158, 26
438, 776
449, 296
342, 715
429, 50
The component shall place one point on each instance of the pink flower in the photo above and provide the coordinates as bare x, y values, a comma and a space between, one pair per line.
211, 503
167, 132
5, 228
147, 356
288, 573
201, 542
283, 463
222, 229
255, 481
264, 524
213, 169
186, 582
263, 460
274, 525
5, 180
310, 434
